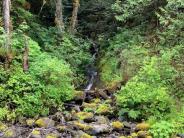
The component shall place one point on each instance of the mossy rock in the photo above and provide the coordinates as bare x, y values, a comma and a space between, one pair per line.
117, 125
82, 126
90, 105
104, 109
84, 115
142, 134
45, 122
52, 135
79, 95
134, 135
61, 128
36, 134
85, 135
3, 127
96, 101
101, 120
30, 122
10, 133
151, 137
142, 126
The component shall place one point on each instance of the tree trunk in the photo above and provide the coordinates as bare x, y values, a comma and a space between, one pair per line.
59, 15
76, 5
26, 56
7, 24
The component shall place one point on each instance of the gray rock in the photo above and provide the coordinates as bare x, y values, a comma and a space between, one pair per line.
102, 128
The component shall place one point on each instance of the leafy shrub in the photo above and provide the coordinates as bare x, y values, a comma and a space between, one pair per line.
162, 129
56, 77
22, 94
145, 94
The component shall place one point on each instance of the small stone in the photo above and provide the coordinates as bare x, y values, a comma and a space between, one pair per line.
45, 122
142, 126
117, 125
30, 122
84, 115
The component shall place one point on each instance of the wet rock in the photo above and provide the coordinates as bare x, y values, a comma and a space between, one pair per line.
30, 122
117, 125
97, 129
84, 115
35, 134
104, 109
45, 122
142, 126
101, 120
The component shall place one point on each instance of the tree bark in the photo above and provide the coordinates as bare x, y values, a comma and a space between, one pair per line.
7, 24
59, 15
76, 5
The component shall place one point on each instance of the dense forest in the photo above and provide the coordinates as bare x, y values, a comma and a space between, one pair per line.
92, 68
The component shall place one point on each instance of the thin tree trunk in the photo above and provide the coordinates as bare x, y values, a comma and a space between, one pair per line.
26, 56
76, 5
7, 24
59, 15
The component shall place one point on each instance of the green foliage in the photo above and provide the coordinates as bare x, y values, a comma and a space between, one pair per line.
162, 129
146, 94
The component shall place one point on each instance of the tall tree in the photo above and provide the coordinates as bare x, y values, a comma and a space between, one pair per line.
7, 24
76, 4
59, 15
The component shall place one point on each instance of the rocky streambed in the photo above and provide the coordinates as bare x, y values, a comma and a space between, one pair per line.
94, 117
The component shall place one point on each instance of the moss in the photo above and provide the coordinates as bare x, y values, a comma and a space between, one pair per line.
84, 115
82, 126
117, 125
85, 135
142, 126
104, 109
30, 122
51, 135
3, 127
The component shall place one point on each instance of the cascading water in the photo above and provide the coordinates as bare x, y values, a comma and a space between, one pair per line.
91, 70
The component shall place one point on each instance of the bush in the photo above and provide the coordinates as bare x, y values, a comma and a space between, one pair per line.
22, 94
162, 129
146, 94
